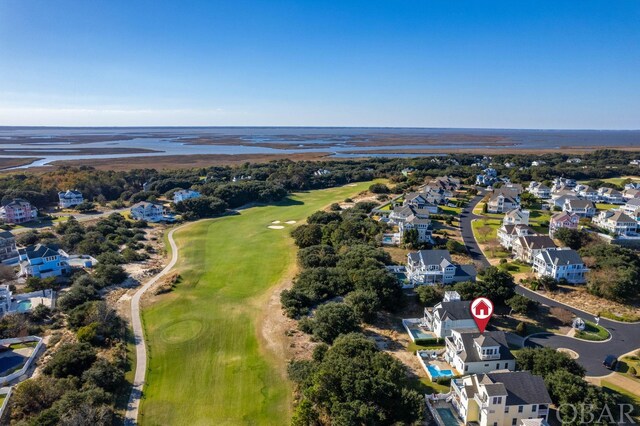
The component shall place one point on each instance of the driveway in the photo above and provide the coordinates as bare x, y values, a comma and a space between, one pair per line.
625, 337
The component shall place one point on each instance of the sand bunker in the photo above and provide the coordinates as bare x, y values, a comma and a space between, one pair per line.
290, 222
353, 184
275, 221
275, 227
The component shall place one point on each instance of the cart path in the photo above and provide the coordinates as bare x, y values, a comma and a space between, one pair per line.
131, 415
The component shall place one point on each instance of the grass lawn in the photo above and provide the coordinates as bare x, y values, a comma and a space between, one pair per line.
627, 362
592, 332
455, 211
206, 360
602, 206
515, 267
23, 345
492, 224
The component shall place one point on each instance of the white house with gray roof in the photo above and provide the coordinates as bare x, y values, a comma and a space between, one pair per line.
583, 208
560, 264
474, 352
616, 222
500, 398
69, 198
436, 267
448, 315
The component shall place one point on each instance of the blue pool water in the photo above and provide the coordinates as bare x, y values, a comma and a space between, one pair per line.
435, 372
387, 240
447, 417
24, 305
418, 334
11, 361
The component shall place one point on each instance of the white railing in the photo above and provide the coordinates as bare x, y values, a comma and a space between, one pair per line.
8, 378
6, 400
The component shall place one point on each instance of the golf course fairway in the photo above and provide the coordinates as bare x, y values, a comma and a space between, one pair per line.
206, 365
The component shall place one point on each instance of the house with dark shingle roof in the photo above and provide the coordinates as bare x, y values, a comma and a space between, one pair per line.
560, 264
69, 198
526, 248
583, 208
500, 398
436, 267
450, 314
474, 352
43, 261
7, 245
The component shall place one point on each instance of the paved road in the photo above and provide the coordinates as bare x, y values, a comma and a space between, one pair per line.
466, 217
131, 415
625, 337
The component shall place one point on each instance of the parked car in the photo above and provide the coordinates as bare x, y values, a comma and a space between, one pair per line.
610, 362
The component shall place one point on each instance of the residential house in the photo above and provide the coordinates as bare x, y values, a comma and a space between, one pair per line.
583, 208
488, 177
586, 192
507, 234
630, 193
435, 196
445, 182
516, 216
474, 352
616, 222
537, 163
515, 188
631, 206
539, 190
574, 161
436, 267
320, 172
43, 261
632, 185
448, 315
7, 245
421, 225
69, 198
562, 181
559, 200
400, 214
149, 211
500, 398
560, 264
18, 211
526, 248
184, 194
421, 201
563, 220
610, 195
499, 202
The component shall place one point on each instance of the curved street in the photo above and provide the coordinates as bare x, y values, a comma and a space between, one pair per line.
133, 405
625, 337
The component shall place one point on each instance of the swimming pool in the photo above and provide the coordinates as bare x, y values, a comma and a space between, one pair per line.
417, 333
23, 306
436, 373
447, 416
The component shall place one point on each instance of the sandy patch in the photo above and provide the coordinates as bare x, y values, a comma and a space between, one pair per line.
572, 354
275, 227
275, 222
290, 222
352, 184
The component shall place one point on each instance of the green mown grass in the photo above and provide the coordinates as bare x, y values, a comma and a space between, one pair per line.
207, 364
592, 332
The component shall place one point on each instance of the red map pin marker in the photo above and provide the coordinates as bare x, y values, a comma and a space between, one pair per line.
481, 310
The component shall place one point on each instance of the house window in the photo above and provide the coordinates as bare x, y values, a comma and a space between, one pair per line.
466, 368
498, 366
534, 408
520, 408
506, 409
514, 421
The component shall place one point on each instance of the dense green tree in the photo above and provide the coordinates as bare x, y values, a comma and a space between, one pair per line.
307, 235
331, 320
545, 361
429, 295
365, 304
71, 359
317, 256
355, 383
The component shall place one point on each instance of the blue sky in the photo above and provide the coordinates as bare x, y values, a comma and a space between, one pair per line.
450, 63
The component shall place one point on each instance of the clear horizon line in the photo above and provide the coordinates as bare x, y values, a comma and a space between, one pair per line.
312, 127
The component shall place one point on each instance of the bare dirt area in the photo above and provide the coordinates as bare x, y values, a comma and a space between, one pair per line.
580, 298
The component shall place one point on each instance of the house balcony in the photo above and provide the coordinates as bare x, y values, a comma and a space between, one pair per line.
490, 357
482, 404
